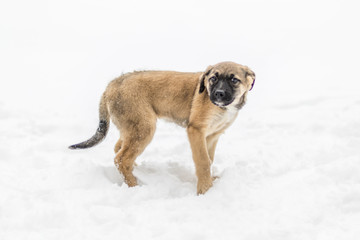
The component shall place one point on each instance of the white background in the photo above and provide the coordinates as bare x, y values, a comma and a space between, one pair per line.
289, 166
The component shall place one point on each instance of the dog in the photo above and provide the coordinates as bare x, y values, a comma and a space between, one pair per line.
205, 103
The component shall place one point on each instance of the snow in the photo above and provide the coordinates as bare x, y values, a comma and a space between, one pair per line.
288, 167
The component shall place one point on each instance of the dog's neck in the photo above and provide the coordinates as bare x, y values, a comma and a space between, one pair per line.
241, 102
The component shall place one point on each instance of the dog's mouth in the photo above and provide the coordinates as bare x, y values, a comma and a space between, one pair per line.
222, 103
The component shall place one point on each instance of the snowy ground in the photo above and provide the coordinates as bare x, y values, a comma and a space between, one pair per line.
289, 166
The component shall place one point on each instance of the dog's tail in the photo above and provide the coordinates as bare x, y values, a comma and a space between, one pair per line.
102, 129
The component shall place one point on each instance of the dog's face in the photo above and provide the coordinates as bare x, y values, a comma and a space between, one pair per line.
226, 83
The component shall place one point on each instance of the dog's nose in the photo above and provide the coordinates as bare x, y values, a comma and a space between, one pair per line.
219, 94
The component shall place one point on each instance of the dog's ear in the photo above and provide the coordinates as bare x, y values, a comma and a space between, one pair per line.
202, 78
250, 75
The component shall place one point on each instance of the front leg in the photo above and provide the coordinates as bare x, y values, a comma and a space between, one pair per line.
201, 158
211, 142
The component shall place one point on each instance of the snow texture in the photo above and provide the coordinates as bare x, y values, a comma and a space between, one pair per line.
289, 166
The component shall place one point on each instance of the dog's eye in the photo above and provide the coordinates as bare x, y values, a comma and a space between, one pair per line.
235, 80
212, 79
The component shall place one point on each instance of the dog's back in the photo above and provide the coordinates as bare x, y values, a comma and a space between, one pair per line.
168, 94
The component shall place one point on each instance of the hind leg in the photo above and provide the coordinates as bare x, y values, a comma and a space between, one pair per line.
135, 139
118, 146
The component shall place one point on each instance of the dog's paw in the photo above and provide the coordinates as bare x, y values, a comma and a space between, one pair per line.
131, 181
204, 186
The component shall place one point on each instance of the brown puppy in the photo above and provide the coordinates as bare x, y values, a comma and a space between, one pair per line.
206, 103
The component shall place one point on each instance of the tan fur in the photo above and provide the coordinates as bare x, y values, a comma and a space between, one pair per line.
136, 100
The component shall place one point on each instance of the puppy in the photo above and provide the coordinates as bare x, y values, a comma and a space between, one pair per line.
205, 103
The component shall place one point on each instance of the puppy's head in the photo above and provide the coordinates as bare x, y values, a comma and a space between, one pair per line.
226, 82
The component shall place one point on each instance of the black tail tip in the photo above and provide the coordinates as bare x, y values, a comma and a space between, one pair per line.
73, 147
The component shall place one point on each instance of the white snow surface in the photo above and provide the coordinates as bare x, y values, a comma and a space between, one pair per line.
288, 168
